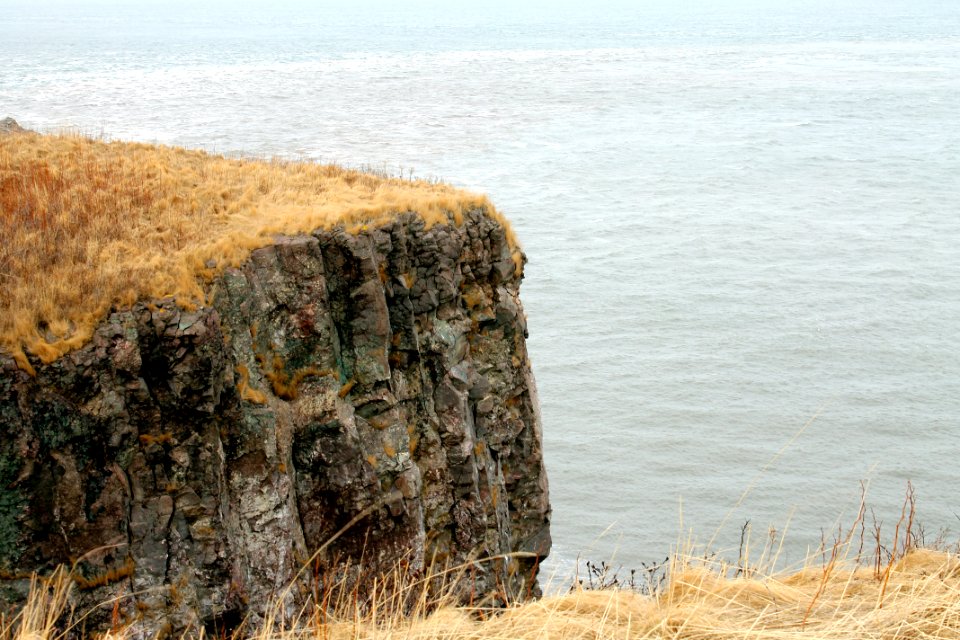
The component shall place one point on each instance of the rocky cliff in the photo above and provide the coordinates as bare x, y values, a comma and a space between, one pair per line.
186, 462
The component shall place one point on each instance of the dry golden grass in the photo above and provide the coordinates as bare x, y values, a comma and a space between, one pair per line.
87, 224
919, 599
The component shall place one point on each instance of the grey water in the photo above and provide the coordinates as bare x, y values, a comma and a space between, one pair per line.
742, 219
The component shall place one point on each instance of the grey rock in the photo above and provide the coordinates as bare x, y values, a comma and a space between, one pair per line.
9, 125
188, 463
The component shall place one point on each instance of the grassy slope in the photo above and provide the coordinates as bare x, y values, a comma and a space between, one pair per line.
88, 224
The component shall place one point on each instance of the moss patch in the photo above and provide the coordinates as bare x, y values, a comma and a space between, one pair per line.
11, 506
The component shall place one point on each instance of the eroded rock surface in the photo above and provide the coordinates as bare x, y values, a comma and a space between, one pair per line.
9, 125
188, 462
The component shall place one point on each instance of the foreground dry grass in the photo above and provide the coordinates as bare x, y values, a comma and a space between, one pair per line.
920, 599
87, 224
916, 597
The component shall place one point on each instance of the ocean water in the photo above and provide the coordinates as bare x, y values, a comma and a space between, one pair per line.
742, 220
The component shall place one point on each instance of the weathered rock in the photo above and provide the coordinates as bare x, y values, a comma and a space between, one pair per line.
188, 462
9, 125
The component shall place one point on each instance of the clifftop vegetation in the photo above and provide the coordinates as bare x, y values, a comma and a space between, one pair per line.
88, 224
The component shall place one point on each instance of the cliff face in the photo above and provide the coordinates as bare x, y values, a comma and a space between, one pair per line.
190, 461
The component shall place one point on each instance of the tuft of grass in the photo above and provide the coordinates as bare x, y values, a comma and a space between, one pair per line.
286, 385
346, 388
161, 439
108, 577
247, 392
88, 225
42, 615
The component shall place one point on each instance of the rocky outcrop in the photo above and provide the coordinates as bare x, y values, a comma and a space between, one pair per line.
9, 125
187, 462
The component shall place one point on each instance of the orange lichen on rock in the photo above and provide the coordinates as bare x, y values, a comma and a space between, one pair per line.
88, 225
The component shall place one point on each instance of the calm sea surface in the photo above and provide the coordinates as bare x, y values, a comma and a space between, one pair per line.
742, 219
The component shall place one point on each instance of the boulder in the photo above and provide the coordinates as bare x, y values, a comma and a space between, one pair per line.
9, 125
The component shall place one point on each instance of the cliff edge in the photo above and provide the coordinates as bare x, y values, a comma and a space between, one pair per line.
359, 397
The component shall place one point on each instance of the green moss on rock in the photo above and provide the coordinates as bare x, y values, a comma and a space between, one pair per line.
11, 506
